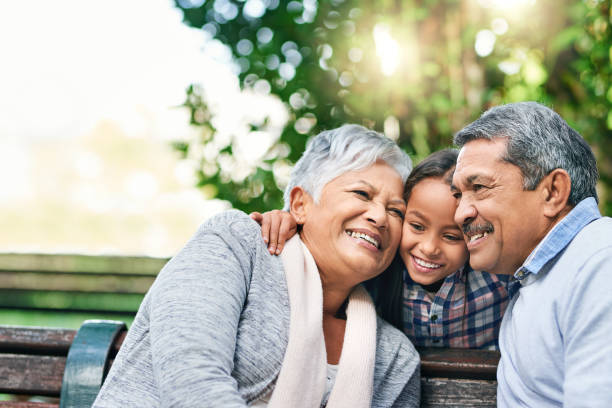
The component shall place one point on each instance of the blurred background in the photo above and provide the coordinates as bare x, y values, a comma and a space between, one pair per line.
124, 125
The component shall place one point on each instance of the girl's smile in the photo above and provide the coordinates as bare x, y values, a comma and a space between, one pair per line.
432, 245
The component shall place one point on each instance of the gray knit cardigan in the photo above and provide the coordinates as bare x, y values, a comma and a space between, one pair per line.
213, 329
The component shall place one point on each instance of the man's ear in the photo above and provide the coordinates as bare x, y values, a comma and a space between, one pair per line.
556, 188
300, 204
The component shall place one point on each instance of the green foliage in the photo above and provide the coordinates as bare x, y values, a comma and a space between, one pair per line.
327, 62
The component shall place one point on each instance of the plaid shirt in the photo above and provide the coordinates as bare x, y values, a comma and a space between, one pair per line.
466, 312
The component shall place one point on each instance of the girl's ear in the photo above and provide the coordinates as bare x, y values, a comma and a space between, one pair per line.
301, 202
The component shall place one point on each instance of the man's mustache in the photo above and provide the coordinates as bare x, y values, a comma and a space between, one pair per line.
472, 228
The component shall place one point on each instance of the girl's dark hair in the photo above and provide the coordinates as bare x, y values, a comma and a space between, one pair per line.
386, 288
440, 164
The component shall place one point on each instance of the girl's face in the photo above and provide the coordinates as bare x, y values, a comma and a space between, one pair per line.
432, 245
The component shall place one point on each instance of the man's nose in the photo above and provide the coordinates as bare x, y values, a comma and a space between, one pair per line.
465, 212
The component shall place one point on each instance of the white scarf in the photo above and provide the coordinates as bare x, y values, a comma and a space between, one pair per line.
302, 378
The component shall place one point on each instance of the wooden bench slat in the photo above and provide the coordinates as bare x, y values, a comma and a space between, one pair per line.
68, 282
53, 310
82, 263
10, 404
45, 272
445, 392
35, 340
459, 363
58, 301
31, 375
48, 341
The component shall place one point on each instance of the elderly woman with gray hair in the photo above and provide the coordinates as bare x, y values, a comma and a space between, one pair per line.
226, 324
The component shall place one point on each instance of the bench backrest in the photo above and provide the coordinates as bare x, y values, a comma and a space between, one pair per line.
33, 361
96, 285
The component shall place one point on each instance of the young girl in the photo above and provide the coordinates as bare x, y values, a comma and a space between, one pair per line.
441, 301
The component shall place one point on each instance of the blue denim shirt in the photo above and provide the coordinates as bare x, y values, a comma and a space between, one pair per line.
556, 335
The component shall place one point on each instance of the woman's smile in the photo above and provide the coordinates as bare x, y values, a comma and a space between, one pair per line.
365, 238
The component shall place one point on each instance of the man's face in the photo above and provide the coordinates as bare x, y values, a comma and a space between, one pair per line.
501, 221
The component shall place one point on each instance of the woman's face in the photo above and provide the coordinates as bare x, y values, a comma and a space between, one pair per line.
432, 244
355, 228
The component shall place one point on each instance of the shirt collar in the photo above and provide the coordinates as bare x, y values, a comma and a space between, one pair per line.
559, 236
461, 274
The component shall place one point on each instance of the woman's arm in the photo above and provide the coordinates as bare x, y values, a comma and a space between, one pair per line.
196, 304
410, 396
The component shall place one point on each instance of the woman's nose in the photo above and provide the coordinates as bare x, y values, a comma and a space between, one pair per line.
377, 215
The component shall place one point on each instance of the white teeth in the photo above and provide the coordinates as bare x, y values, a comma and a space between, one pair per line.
477, 236
364, 237
426, 264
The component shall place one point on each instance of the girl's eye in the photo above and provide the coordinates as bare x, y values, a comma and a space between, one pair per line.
417, 227
453, 237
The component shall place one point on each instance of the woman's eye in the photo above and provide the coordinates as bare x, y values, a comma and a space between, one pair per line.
478, 187
361, 193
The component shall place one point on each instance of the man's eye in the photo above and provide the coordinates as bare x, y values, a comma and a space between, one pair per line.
457, 195
478, 187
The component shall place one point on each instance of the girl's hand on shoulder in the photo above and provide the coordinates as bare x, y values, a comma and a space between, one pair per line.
276, 228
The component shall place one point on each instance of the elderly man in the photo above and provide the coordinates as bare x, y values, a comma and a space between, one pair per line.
525, 181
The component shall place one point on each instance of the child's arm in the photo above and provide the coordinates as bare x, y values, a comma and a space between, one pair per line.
276, 228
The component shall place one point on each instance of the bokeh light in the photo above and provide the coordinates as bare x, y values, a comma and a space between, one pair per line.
387, 49
485, 43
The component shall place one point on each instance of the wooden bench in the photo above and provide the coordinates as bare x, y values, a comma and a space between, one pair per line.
84, 286
67, 367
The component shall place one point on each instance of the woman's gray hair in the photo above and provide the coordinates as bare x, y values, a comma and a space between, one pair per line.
334, 152
538, 142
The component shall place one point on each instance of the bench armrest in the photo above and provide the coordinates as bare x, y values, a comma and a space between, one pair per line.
87, 362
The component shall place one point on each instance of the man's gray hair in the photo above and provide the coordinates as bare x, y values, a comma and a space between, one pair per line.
334, 152
538, 142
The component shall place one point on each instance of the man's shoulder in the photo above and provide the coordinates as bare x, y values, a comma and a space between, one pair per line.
594, 237
591, 246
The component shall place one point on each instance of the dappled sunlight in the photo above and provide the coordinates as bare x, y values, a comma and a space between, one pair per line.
387, 49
